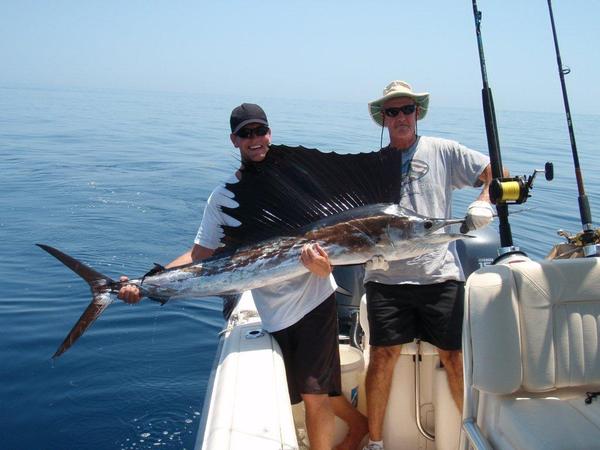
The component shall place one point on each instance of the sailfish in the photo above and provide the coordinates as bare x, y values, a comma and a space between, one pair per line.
347, 203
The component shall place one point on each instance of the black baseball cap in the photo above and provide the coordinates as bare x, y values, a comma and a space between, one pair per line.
246, 113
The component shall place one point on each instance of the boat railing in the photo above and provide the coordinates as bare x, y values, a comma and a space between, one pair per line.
475, 436
417, 359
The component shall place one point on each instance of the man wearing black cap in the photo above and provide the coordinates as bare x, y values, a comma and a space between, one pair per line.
301, 314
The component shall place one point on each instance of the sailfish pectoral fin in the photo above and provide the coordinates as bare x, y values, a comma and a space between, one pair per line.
98, 304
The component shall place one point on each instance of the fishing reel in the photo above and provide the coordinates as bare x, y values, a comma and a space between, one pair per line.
515, 190
582, 238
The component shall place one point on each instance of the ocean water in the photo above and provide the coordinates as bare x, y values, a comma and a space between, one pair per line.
119, 179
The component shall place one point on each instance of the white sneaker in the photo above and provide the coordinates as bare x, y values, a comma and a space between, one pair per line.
373, 447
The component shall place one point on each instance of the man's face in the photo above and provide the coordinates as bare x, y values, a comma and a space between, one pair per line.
253, 147
402, 128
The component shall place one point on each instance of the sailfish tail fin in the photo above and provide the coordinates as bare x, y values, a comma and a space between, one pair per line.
101, 287
98, 304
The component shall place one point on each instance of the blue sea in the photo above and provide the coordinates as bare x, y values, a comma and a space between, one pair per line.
119, 179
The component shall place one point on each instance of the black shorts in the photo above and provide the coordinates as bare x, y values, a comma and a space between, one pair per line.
311, 353
400, 313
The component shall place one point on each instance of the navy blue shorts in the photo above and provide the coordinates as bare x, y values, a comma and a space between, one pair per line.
311, 353
398, 314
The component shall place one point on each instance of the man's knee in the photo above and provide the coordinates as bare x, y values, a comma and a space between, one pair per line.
384, 356
315, 400
451, 359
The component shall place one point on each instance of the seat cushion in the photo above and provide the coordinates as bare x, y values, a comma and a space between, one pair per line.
560, 322
493, 325
549, 423
535, 325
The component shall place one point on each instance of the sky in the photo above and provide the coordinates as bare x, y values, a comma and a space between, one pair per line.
324, 50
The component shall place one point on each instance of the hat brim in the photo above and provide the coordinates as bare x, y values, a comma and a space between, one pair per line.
376, 106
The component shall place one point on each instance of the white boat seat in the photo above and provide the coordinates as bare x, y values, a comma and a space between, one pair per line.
531, 345
407, 349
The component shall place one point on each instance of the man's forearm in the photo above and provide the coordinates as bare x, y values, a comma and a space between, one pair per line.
196, 253
486, 179
181, 260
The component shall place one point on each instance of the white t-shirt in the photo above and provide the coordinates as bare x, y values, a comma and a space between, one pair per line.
432, 169
279, 305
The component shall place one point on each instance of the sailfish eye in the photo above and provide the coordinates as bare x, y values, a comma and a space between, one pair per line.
427, 224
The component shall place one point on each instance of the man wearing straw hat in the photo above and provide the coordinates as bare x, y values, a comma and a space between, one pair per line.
420, 297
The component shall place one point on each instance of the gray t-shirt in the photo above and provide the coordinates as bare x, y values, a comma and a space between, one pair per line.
279, 305
433, 169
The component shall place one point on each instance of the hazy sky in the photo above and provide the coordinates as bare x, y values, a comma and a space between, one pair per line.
306, 49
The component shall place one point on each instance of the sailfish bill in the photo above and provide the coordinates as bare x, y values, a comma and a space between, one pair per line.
348, 204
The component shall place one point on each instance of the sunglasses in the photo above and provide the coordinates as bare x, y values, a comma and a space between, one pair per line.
247, 133
406, 110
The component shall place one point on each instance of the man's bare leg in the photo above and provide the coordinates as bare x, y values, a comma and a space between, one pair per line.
357, 423
319, 421
382, 361
453, 363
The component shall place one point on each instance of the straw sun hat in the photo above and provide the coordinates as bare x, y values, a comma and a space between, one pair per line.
398, 89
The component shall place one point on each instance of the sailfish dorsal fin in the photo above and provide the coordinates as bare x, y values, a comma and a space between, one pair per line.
296, 186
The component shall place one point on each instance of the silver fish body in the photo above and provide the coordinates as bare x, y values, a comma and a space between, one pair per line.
353, 237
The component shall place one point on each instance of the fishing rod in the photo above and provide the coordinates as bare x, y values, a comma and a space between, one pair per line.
491, 130
503, 190
588, 236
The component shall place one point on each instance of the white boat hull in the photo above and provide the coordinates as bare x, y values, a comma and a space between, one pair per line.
247, 405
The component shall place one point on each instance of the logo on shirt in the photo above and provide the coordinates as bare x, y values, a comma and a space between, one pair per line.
415, 170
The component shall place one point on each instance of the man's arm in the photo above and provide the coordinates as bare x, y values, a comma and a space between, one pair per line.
484, 180
480, 213
196, 253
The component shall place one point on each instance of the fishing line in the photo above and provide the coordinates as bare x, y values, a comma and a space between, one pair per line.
510, 191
